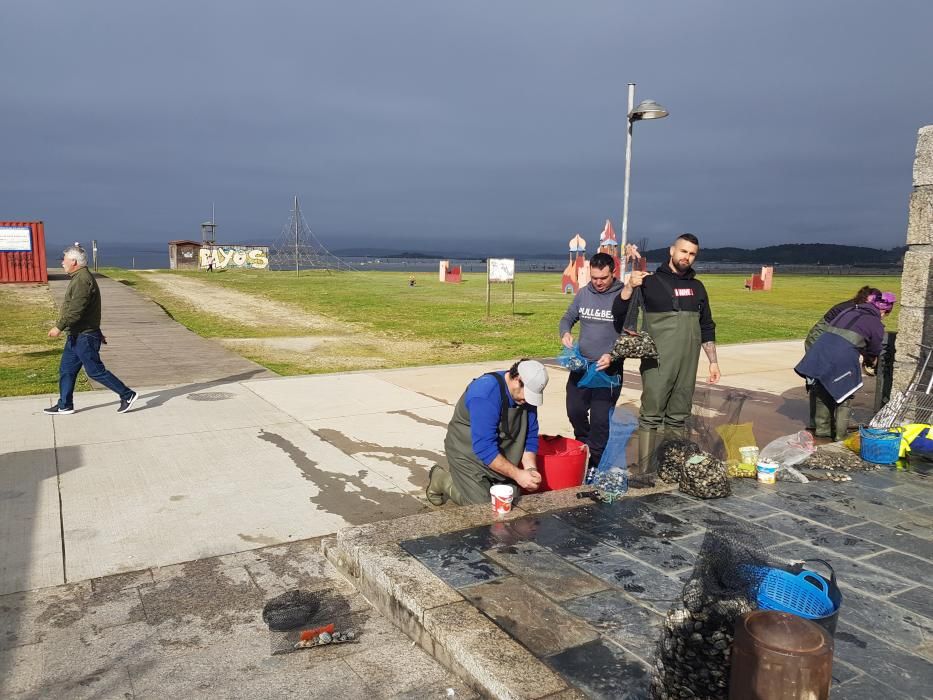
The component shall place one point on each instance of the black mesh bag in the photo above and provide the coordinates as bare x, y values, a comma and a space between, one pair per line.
692, 659
632, 342
704, 476
290, 610
286, 615
671, 456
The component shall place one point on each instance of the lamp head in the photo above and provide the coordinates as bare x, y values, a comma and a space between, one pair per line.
648, 109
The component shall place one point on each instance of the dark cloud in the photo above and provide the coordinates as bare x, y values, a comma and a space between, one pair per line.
491, 125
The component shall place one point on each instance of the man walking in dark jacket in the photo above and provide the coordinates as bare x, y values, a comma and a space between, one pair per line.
678, 317
589, 409
80, 316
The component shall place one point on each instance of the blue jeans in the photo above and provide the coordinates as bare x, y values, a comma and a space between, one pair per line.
84, 350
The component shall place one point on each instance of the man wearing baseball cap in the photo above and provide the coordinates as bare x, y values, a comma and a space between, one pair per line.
492, 437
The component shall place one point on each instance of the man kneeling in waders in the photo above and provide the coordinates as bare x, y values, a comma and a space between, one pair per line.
678, 317
492, 437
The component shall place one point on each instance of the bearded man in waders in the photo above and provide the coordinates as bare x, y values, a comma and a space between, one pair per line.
678, 317
492, 437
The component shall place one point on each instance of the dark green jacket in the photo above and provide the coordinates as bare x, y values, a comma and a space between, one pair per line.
81, 309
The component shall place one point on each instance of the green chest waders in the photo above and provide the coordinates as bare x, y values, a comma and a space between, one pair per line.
667, 383
471, 478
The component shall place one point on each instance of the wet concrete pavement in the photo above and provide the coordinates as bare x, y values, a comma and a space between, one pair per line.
195, 631
586, 589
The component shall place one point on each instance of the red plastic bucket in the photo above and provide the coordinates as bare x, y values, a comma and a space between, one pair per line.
561, 461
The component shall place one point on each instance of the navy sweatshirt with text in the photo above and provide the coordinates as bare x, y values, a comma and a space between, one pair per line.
593, 311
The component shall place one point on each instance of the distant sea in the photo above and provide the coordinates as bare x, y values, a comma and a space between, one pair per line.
148, 260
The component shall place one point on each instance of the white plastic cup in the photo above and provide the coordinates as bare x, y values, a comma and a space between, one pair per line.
767, 472
501, 495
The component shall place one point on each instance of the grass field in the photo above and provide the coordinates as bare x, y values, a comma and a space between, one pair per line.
450, 315
376, 319
28, 358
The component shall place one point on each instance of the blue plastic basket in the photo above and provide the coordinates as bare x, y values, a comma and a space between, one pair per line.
805, 594
880, 446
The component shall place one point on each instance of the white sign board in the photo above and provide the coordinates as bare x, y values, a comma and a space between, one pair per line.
501, 269
15, 238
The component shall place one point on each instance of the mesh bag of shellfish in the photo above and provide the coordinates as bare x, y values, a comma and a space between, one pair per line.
671, 456
692, 658
704, 476
300, 619
286, 615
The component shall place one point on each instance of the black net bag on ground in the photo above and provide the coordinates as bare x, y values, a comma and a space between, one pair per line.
671, 456
692, 659
289, 610
286, 615
704, 476
300, 619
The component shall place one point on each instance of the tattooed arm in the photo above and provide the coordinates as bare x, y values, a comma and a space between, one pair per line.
709, 348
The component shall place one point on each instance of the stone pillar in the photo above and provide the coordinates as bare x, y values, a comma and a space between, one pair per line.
915, 325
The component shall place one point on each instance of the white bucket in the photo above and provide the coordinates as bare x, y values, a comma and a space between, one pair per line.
767, 472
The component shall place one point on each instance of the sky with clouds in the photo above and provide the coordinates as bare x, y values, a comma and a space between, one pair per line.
494, 127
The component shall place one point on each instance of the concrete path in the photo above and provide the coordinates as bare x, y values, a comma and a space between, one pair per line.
146, 347
218, 467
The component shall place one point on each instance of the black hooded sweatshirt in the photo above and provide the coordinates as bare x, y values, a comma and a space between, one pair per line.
686, 287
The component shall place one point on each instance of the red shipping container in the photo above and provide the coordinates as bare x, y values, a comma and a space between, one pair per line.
22, 252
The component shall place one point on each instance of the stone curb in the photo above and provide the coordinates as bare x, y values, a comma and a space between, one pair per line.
435, 615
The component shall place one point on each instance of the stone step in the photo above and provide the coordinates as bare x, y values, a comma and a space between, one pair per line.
435, 615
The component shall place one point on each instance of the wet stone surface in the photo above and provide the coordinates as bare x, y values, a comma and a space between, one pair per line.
586, 588
602, 669
894, 539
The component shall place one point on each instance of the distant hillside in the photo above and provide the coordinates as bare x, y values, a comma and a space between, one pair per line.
784, 254
798, 254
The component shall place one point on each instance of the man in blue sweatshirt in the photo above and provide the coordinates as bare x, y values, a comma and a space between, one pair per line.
589, 409
492, 437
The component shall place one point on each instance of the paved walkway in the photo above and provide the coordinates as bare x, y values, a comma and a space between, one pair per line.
146, 347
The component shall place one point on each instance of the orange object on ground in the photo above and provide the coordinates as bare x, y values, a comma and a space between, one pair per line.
308, 635
561, 461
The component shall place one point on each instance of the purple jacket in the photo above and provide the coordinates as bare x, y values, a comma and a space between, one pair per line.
864, 319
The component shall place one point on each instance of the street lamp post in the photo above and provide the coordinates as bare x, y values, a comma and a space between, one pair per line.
647, 109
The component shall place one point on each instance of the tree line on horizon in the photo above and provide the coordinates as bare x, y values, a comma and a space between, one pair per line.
799, 254
782, 254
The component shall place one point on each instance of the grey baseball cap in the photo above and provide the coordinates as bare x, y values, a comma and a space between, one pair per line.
534, 376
